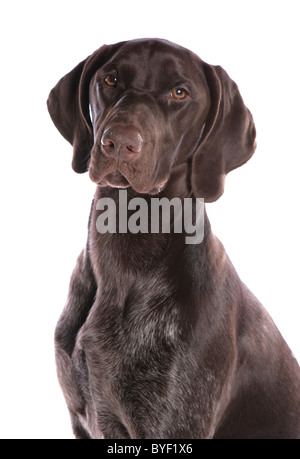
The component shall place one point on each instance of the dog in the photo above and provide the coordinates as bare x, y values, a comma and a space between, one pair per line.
160, 338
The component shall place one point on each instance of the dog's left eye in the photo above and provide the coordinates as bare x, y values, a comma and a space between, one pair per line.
111, 80
179, 93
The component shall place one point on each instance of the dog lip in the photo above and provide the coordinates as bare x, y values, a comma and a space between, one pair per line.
117, 178
156, 190
152, 191
159, 187
114, 179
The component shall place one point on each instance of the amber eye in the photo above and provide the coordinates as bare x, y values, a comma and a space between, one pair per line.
179, 94
111, 80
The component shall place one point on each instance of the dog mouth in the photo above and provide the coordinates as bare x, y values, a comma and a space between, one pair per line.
115, 173
117, 180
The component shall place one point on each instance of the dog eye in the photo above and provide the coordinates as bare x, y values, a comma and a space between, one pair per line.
111, 80
179, 93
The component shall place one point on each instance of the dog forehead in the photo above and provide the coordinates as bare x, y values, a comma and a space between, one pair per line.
152, 58
148, 48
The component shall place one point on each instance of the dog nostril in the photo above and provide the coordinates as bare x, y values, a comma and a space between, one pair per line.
133, 149
136, 142
107, 143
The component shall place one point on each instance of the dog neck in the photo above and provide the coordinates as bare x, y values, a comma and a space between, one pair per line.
125, 229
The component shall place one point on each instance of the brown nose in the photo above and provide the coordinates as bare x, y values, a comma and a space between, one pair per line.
123, 141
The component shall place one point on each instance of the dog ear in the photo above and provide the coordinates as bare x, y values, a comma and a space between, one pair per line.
68, 105
228, 139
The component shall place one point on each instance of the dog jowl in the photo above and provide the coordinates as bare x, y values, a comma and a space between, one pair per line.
159, 337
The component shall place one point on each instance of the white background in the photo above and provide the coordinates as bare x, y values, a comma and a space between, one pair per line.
45, 205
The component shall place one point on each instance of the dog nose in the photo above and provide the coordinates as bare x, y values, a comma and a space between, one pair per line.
121, 140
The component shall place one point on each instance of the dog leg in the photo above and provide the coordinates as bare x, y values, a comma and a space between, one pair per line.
81, 296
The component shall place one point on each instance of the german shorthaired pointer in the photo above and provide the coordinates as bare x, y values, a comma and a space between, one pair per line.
159, 338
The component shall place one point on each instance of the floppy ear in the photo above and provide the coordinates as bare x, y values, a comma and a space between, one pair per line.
68, 105
228, 140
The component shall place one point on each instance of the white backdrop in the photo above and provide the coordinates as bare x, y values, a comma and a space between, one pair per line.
45, 205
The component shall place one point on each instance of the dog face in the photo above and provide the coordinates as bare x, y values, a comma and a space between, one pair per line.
134, 110
148, 105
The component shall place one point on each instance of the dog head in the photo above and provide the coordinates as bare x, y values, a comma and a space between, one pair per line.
135, 110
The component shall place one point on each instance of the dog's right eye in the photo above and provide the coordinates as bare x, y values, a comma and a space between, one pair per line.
111, 80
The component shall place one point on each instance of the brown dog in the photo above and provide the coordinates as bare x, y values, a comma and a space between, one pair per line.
160, 338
